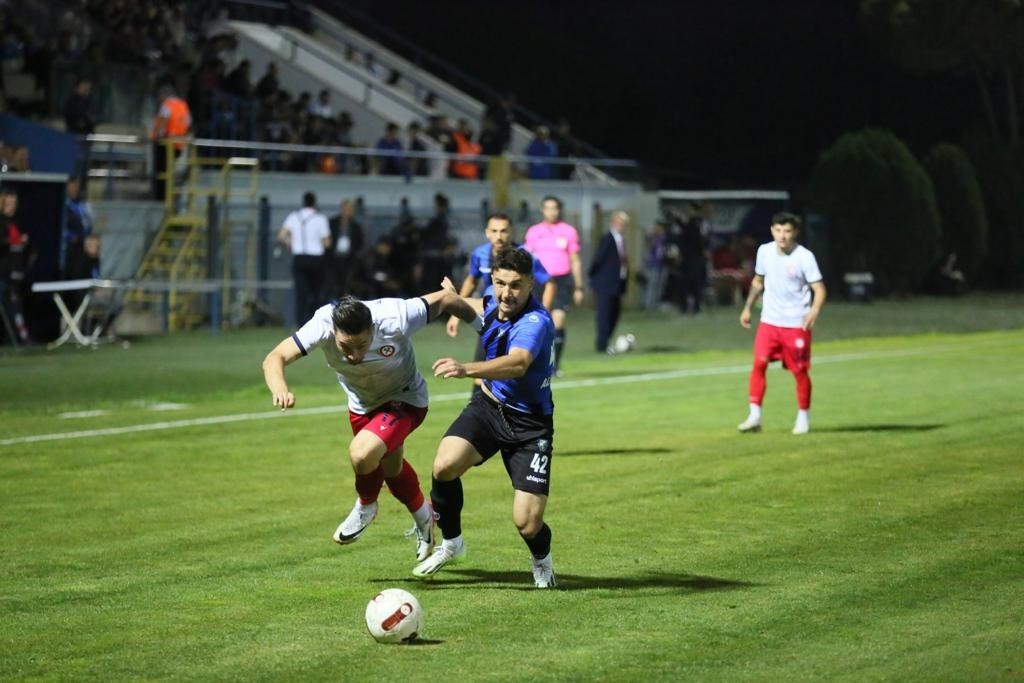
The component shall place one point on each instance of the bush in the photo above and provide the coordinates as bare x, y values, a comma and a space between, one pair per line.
1000, 173
881, 210
961, 207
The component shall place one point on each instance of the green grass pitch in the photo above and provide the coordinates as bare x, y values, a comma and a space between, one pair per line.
143, 540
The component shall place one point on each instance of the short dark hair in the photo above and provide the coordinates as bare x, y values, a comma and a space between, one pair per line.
552, 198
499, 216
309, 200
785, 217
510, 258
351, 316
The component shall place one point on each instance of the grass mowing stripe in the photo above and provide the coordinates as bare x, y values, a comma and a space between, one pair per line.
570, 384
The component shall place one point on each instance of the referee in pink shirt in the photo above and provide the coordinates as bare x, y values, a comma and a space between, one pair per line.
557, 245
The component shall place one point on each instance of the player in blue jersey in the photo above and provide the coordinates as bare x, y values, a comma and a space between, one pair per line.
500, 234
513, 414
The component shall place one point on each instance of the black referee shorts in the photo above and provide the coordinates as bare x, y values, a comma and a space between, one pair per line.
524, 440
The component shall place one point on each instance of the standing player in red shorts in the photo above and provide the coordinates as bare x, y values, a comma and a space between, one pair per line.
368, 344
788, 275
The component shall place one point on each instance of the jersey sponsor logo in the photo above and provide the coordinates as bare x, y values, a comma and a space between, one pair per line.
387, 350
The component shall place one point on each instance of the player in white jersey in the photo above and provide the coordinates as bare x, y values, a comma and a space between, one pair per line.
788, 275
369, 346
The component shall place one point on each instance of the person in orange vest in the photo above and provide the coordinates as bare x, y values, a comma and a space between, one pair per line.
462, 143
173, 119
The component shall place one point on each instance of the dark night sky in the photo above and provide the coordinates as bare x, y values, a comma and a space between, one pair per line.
723, 92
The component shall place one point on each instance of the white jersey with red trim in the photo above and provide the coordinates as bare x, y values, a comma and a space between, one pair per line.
388, 371
787, 280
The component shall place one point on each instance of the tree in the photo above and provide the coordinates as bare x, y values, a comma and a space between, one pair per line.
880, 207
980, 38
961, 206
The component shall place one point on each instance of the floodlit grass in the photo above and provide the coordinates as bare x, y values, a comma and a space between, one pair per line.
885, 545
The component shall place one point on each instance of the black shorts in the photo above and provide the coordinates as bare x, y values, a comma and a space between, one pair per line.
565, 285
525, 440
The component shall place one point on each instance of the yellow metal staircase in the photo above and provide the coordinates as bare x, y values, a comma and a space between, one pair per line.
176, 265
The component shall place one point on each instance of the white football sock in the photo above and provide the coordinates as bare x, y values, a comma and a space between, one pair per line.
803, 417
422, 516
755, 411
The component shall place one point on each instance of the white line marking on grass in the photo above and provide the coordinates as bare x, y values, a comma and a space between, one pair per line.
74, 415
464, 395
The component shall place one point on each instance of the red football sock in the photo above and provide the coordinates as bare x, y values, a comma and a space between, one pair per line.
368, 485
406, 487
803, 390
758, 383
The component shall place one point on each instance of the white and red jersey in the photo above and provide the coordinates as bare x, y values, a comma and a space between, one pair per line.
552, 243
787, 283
388, 371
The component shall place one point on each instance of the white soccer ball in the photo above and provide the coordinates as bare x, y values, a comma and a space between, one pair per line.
394, 616
624, 343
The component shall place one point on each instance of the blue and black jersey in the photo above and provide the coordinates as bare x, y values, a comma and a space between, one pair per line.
533, 331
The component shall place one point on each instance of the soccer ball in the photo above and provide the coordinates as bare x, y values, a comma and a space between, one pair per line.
394, 616
624, 343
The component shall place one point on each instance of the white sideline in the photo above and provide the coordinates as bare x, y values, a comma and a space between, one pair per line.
462, 395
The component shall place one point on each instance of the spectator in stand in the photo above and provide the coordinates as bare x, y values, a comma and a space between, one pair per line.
239, 82
389, 161
79, 113
20, 159
464, 166
376, 70
654, 265
353, 57
502, 113
343, 138
267, 86
567, 147
540, 148
173, 119
322, 105
417, 165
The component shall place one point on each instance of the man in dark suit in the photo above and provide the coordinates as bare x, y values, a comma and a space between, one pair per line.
609, 273
346, 244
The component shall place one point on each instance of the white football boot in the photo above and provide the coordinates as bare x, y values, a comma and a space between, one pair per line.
544, 573
750, 425
355, 524
443, 554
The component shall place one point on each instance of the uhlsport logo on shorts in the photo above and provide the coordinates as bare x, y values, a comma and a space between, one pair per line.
387, 350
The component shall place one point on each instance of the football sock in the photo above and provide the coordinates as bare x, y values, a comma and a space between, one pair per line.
540, 545
368, 485
406, 487
803, 390
423, 514
758, 383
803, 417
446, 496
559, 343
755, 411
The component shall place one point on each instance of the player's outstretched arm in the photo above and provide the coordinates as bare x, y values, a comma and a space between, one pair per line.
447, 301
283, 354
510, 366
468, 285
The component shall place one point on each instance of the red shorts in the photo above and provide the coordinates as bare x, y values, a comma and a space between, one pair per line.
791, 345
392, 422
